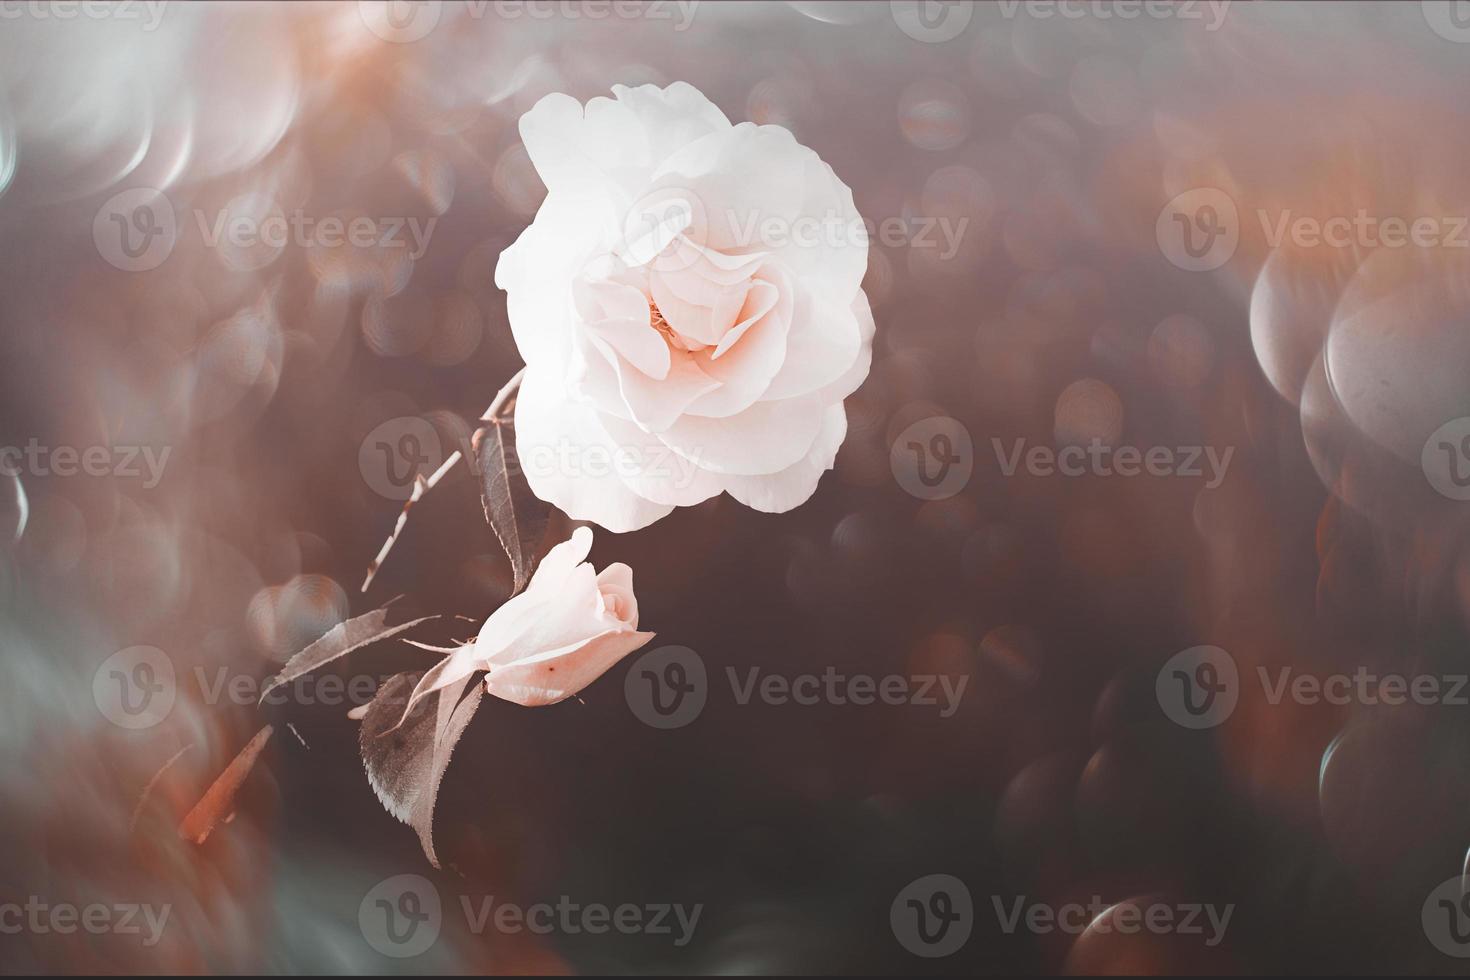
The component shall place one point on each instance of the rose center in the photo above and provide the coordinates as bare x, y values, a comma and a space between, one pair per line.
657, 321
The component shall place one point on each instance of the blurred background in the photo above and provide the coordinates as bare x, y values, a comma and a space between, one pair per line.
1086, 233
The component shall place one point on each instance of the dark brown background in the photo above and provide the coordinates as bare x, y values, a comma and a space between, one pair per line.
1059, 778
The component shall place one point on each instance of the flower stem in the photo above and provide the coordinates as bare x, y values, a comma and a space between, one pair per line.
422, 486
512, 387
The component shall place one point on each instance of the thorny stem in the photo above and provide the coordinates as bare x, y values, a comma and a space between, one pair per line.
422, 486
504, 395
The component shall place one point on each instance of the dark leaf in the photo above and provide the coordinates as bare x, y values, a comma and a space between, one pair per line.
517, 515
405, 764
339, 641
219, 800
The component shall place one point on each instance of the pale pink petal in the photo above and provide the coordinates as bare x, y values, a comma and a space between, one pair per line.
761, 299
765, 191
574, 149
452, 669
655, 404
706, 324
549, 679
746, 368
656, 472
825, 340
615, 582
852, 379
563, 559
594, 377
557, 619
698, 275
599, 295
777, 493
552, 134
765, 438
672, 116
511, 621
569, 460
635, 342
536, 273
654, 222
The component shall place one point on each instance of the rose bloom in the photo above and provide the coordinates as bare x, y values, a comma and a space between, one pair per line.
546, 644
689, 306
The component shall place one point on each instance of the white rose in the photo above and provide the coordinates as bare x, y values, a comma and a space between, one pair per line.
688, 303
546, 644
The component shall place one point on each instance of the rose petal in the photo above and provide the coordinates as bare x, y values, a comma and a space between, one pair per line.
549, 679
560, 561
852, 379
451, 670
825, 340
569, 460
672, 116
760, 299
653, 223
657, 473
706, 324
764, 191
615, 582
613, 144
765, 438
746, 368
514, 617
601, 148
777, 493
599, 294
561, 618
655, 404
536, 272
636, 343
697, 275
594, 378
